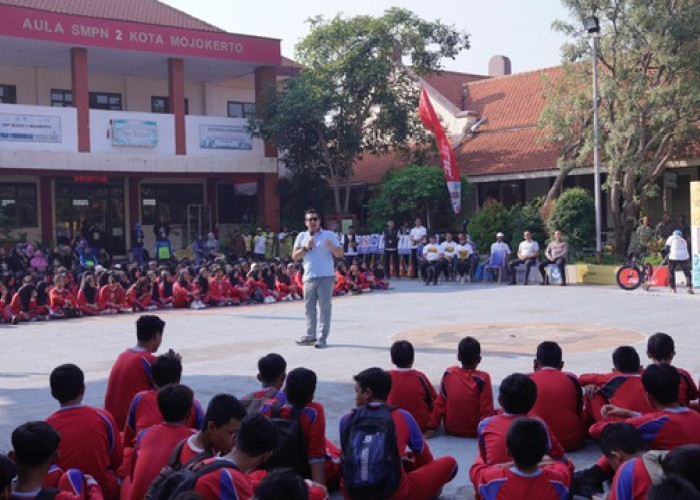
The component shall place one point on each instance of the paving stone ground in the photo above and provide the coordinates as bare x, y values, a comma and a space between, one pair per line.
220, 347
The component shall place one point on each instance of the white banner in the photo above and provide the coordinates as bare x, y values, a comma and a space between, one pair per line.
136, 133
30, 128
224, 137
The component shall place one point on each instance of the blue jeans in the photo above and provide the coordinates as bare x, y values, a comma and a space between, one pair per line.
318, 290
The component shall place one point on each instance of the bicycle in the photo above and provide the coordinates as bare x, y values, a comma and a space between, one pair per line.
635, 272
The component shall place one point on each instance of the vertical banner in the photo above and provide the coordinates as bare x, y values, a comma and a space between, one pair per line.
447, 156
695, 230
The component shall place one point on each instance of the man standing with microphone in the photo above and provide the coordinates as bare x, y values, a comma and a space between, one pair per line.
317, 247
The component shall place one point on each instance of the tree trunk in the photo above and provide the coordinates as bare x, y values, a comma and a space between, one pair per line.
346, 205
555, 190
335, 184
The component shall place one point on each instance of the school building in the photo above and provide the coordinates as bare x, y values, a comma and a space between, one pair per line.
118, 112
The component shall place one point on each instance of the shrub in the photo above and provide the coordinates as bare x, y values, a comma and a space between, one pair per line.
574, 215
528, 218
489, 220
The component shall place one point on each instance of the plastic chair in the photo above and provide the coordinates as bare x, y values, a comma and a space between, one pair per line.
496, 262
534, 274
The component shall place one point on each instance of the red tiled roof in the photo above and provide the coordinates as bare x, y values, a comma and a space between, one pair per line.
449, 84
140, 11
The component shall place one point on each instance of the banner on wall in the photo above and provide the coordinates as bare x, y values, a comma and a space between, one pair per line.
224, 137
695, 230
30, 128
134, 133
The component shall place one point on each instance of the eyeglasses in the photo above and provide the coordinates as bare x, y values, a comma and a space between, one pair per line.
312, 219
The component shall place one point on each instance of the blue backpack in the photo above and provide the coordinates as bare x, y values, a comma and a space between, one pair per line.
371, 464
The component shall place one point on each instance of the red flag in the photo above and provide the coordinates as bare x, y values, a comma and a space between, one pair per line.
447, 156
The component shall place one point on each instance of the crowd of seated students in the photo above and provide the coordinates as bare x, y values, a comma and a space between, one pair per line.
70, 286
152, 425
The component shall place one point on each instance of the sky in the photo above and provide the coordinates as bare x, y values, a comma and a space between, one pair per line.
519, 29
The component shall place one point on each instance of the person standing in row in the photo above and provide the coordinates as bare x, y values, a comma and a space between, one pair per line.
678, 256
391, 248
317, 247
417, 234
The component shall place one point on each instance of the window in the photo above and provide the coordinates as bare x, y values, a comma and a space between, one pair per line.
170, 200
61, 98
240, 109
161, 104
105, 100
235, 208
8, 94
19, 204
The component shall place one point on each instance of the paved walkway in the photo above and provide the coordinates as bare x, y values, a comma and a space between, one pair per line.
220, 347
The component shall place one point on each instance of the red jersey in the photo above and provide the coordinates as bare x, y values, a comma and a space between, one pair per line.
620, 389
412, 391
631, 481
59, 299
71, 484
83, 300
89, 442
219, 290
112, 298
227, 483
313, 427
182, 295
144, 412
152, 451
465, 399
16, 306
663, 430
550, 482
560, 403
130, 375
491, 438
687, 390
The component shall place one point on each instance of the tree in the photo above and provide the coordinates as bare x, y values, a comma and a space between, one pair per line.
649, 107
297, 193
492, 218
574, 215
527, 218
354, 96
414, 191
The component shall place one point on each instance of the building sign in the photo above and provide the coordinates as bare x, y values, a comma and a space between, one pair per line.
224, 137
96, 32
695, 231
91, 179
136, 133
30, 128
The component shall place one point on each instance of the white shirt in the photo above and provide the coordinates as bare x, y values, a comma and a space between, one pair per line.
417, 234
448, 248
500, 246
678, 248
528, 248
463, 251
431, 252
260, 244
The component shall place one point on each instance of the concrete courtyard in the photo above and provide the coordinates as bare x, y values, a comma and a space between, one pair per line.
220, 347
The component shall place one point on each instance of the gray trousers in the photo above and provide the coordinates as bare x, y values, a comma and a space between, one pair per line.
318, 290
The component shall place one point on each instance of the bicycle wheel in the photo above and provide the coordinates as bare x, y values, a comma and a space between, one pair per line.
629, 278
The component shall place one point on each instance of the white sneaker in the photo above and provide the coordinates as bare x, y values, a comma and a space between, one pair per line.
194, 305
152, 308
296, 296
269, 300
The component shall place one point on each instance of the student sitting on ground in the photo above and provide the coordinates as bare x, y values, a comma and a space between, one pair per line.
465, 397
622, 387
89, 298
144, 410
398, 473
131, 372
256, 440
673, 487
286, 483
661, 350
299, 391
410, 389
155, 444
683, 462
35, 448
8, 471
272, 371
669, 426
559, 397
516, 395
89, 436
525, 478
623, 446
113, 296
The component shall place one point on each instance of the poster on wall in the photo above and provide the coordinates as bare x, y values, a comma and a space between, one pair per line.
224, 137
695, 230
30, 128
135, 133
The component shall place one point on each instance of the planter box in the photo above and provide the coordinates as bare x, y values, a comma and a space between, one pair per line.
597, 274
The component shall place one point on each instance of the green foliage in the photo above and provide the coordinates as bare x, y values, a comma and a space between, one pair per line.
574, 215
354, 95
411, 192
492, 218
649, 102
299, 192
528, 218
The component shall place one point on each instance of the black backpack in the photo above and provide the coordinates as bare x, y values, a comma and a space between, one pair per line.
175, 477
371, 464
290, 449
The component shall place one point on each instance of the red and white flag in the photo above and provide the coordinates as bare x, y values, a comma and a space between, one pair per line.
447, 156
